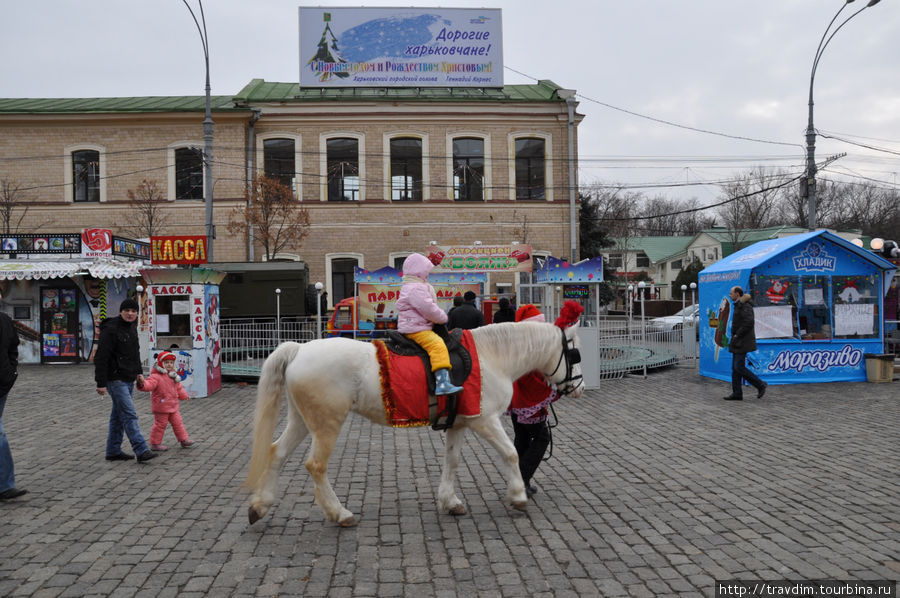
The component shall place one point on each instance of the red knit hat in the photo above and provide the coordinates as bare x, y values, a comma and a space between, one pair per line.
529, 313
164, 356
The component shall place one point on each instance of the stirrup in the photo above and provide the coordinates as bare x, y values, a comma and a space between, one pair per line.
444, 420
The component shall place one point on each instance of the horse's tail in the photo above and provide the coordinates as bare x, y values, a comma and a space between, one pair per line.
268, 403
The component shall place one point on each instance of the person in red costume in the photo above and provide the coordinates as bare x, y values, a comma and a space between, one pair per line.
532, 394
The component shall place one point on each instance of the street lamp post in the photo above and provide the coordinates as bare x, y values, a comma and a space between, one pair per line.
319, 287
811, 169
207, 136
278, 316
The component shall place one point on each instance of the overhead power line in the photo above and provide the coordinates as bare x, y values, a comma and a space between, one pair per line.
668, 122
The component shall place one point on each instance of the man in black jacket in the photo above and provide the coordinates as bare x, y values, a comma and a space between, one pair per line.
506, 313
743, 341
466, 316
117, 365
9, 362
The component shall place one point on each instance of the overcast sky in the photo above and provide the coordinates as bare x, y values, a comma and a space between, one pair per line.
739, 68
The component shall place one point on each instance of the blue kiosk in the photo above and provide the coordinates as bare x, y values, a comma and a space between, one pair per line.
818, 304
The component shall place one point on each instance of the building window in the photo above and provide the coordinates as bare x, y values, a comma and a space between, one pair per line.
530, 169
188, 173
278, 160
406, 168
86, 175
676, 265
642, 261
468, 169
343, 169
529, 290
342, 278
614, 261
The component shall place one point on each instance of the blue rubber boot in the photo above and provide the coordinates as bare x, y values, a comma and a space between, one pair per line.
443, 385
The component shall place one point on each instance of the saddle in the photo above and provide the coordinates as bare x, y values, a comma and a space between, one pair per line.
461, 367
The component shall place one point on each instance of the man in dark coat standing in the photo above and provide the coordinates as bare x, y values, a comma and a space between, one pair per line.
9, 363
116, 367
743, 341
466, 316
506, 313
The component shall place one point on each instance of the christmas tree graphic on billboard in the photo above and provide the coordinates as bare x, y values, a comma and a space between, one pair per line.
327, 52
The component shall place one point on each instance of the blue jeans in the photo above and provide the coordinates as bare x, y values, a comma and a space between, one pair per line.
739, 371
7, 471
123, 419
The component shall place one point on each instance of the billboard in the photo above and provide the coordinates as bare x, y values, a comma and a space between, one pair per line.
400, 47
480, 258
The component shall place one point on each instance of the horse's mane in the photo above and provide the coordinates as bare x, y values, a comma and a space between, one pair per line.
521, 346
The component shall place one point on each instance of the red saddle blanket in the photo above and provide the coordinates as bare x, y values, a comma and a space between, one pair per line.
404, 388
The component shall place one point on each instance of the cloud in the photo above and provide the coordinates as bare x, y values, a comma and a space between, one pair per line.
760, 110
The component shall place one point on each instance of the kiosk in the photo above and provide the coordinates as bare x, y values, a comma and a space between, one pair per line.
818, 304
373, 311
180, 313
577, 282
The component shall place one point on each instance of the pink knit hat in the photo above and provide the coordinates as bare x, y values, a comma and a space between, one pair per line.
529, 313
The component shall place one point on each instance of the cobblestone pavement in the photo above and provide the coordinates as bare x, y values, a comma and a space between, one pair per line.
656, 487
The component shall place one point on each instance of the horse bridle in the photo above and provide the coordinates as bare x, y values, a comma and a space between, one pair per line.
572, 357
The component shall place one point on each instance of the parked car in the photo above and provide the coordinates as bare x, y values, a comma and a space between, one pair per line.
688, 316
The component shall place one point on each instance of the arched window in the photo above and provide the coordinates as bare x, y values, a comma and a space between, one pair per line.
339, 273
85, 175
468, 169
342, 168
406, 168
278, 160
188, 173
530, 168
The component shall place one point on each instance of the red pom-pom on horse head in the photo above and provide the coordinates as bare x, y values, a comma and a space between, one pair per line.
569, 314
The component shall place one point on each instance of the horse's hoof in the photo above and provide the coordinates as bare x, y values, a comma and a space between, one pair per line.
520, 505
348, 521
458, 510
254, 515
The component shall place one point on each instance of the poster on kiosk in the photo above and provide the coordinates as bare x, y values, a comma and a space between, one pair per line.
818, 302
184, 319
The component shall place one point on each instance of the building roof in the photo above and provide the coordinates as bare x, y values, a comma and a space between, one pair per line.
656, 248
115, 105
259, 91
763, 251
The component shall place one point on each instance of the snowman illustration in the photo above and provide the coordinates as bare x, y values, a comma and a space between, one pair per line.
850, 294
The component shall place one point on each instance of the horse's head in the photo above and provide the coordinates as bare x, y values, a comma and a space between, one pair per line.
567, 373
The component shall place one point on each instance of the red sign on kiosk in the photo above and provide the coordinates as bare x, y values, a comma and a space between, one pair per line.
180, 249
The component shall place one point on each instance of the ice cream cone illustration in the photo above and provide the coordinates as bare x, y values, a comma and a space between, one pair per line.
720, 339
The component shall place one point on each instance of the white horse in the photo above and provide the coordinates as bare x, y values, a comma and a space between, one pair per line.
326, 379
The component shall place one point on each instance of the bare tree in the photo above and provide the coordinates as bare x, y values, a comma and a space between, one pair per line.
13, 207
273, 214
147, 215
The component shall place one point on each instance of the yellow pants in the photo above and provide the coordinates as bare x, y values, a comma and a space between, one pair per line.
434, 346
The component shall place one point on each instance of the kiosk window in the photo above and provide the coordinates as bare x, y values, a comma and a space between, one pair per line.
855, 306
173, 310
815, 316
772, 297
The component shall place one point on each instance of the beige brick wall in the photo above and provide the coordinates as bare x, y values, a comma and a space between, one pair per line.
33, 150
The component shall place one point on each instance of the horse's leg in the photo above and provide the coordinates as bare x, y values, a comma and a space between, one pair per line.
448, 502
325, 434
294, 433
490, 428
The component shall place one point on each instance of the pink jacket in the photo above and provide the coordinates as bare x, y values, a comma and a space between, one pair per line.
417, 306
165, 391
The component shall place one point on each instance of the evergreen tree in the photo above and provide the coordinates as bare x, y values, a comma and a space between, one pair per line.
328, 51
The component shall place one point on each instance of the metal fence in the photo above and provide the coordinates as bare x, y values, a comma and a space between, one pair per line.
246, 342
623, 345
